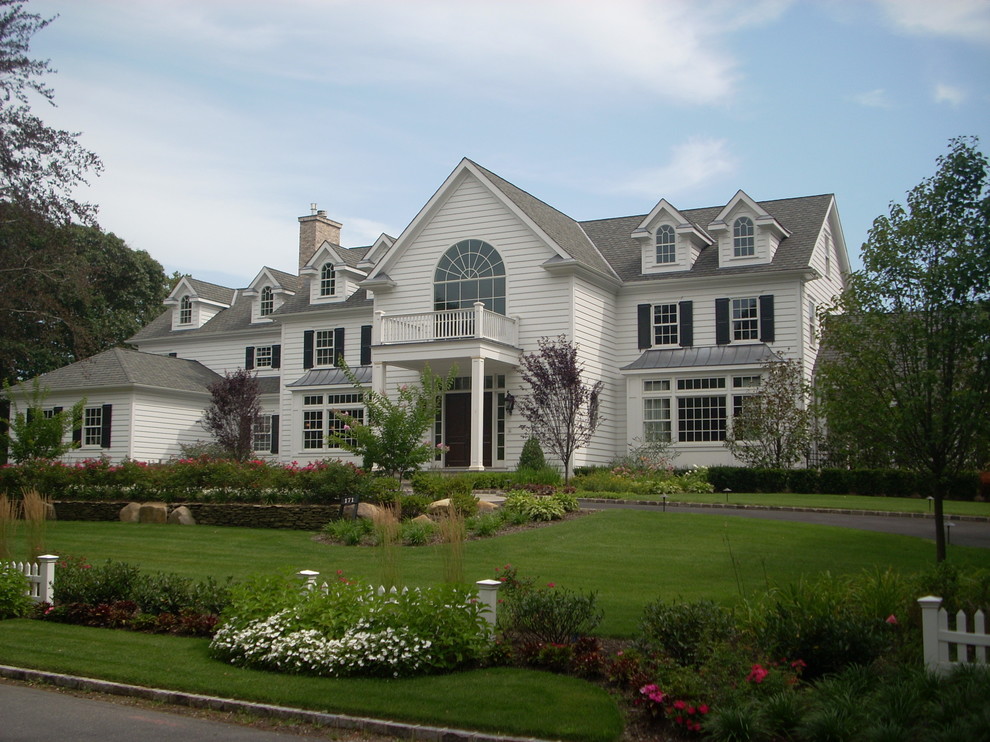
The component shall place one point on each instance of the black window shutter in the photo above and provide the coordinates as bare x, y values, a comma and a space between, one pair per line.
249, 358
338, 346
105, 431
308, 348
56, 410
722, 321
644, 321
77, 434
766, 319
685, 315
275, 430
29, 414
365, 345
276, 356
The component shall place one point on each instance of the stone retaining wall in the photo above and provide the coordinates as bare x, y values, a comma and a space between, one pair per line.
297, 517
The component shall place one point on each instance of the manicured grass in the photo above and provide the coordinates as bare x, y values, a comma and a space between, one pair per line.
502, 700
628, 557
831, 502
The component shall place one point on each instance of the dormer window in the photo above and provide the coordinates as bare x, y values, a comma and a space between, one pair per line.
743, 244
185, 310
666, 244
328, 280
267, 305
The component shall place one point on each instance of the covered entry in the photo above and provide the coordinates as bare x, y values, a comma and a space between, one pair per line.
457, 429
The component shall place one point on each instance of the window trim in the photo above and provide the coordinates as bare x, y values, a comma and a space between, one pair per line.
266, 301
328, 284
185, 310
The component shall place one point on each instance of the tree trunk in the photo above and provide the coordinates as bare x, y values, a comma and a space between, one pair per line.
939, 525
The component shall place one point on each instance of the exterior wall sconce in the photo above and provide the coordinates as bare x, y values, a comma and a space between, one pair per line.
510, 402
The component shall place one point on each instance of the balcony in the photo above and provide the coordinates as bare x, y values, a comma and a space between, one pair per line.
451, 324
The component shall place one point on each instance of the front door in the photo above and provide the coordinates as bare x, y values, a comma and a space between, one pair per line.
457, 429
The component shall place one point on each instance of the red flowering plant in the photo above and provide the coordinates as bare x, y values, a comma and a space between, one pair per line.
685, 715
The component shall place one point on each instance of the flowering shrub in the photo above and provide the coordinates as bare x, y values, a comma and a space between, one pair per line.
201, 479
546, 614
347, 629
681, 713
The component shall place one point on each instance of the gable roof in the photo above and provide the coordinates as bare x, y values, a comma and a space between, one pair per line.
122, 367
803, 217
562, 229
209, 291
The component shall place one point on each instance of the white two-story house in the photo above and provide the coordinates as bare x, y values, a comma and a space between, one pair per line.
675, 311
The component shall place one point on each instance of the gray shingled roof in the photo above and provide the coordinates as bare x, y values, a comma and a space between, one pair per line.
563, 230
719, 355
803, 217
332, 377
300, 303
211, 291
121, 367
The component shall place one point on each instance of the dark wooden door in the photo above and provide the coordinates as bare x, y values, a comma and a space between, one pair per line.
457, 429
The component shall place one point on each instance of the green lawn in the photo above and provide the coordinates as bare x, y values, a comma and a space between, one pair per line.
831, 502
629, 557
501, 700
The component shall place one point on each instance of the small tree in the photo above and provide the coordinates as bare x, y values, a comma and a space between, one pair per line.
773, 429
233, 412
394, 435
561, 411
33, 434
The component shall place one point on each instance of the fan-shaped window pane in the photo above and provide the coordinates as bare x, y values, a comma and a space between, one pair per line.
470, 271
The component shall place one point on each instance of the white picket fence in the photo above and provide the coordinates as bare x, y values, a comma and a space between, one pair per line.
487, 592
970, 645
41, 577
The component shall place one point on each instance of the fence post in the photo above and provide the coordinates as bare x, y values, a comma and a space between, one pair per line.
488, 595
46, 578
308, 577
929, 631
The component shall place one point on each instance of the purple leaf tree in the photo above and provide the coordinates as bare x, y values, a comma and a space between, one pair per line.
561, 410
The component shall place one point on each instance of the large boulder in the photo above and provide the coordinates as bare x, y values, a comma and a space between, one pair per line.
182, 516
130, 513
153, 512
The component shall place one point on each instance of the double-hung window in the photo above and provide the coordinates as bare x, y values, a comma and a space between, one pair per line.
745, 319
263, 433
665, 324
267, 305
328, 280
92, 426
743, 243
263, 356
323, 347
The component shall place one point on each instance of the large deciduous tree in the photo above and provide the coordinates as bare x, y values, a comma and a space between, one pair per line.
908, 375
774, 425
234, 409
39, 166
561, 410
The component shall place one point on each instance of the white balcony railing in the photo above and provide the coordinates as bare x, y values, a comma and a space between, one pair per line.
451, 324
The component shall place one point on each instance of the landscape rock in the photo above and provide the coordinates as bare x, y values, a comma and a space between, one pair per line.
181, 516
364, 510
153, 512
130, 512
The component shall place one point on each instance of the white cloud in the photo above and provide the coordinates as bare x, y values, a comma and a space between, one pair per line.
960, 19
949, 94
873, 98
692, 165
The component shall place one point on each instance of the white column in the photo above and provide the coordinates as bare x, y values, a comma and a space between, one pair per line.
46, 577
378, 376
488, 597
477, 414
929, 632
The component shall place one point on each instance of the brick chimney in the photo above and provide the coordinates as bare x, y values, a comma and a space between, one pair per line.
314, 230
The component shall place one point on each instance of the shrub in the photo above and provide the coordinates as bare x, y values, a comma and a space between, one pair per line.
161, 592
567, 501
550, 615
546, 475
485, 525
80, 582
464, 503
14, 599
382, 490
685, 632
411, 506
532, 457
532, 506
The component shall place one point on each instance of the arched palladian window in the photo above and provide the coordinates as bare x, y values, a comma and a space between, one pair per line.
666, 244
328, 280
470, 271
742, 237
267, 301
185, 310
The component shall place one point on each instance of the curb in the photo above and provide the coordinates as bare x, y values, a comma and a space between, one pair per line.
785, 508
194, 700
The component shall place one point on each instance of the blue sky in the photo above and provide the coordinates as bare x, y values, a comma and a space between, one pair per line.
219, 121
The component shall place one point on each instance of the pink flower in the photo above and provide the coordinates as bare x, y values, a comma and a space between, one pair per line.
892, 619
757, 674
703, 709
679, 705
551, 584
